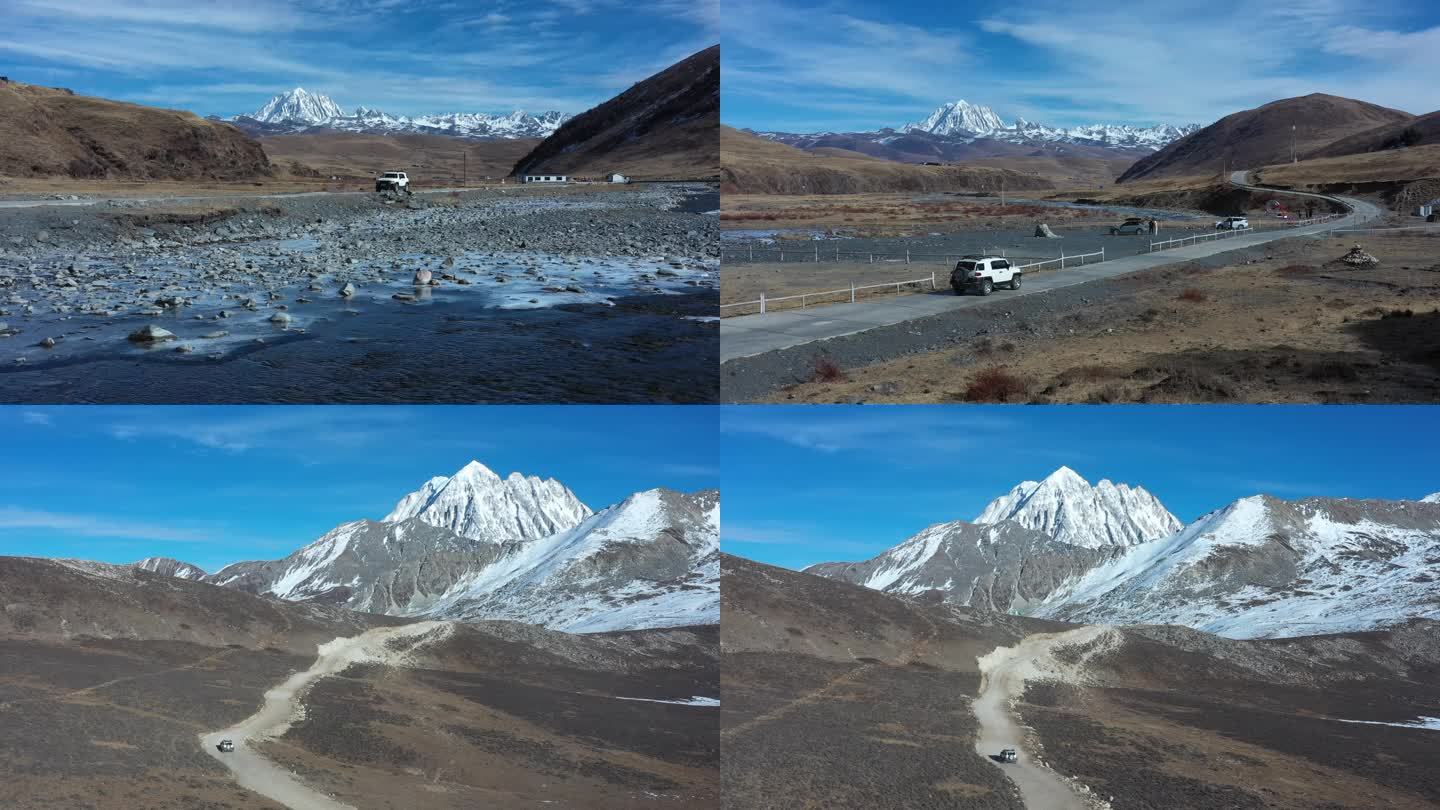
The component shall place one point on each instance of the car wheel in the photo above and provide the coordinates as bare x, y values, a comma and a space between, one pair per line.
986, 286
1113, 232
1015, 282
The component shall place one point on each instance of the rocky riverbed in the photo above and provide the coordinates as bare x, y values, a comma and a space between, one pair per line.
498, 295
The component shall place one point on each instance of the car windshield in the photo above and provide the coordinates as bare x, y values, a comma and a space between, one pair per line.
1132, 222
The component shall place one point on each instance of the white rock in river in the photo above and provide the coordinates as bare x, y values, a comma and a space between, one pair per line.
151, 333
348, 290
280, 319
422, 276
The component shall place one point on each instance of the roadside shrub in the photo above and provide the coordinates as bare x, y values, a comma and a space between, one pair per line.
1192, 295
995, 384
826, 370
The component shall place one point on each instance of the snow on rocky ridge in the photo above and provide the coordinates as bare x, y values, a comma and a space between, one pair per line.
1066, 507
961, 119
477, 546
1260, 567
298, 110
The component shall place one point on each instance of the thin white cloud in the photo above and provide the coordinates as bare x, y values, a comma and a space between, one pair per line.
296, 430
492, 57
1060, 62
97, 526
36, 418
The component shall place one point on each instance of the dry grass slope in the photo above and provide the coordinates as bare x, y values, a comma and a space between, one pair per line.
1252, 138
661, 128
753, 165
47, 132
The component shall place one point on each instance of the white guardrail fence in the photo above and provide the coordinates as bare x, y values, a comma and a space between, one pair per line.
1203, 237
764, 302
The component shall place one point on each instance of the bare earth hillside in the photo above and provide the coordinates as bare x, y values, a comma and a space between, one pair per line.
661, 128
753, 165
430, 160
1252, 138
48, 132
842, 697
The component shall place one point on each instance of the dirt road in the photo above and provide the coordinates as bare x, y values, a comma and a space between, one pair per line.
1003, 673
388, 645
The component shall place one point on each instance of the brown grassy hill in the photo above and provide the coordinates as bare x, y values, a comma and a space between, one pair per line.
753, 165
1415, 132
840, 696
1253, 138
53, 600
661, 127
428, 159
47, 132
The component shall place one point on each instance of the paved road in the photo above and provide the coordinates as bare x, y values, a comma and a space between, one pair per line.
1002, 679
750, 335
251, 769
276, 195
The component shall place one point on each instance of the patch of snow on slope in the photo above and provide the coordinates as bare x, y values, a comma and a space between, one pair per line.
315, 558
908, 556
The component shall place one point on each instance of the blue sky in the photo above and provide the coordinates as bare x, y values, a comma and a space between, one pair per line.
212, 485
402, 56
799, 66
824, 483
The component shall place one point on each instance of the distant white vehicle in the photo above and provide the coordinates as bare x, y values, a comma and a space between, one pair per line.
393, 181
1008, 755
226, 746
1232, 224
983, 274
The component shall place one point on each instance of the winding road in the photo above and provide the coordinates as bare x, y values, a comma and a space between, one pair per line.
1003, 673
750, 335
282, 705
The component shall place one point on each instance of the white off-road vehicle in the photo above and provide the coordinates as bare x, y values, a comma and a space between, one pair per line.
983, 274
397, 182
1232, 224
226, 746
1008, 755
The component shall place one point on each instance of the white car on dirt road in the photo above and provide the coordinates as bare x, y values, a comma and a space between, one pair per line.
398, 182
983, 274
1232, 224
226, 746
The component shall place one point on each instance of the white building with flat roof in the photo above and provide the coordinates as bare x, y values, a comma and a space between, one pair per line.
547, 178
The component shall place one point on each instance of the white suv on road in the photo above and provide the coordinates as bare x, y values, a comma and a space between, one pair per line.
1232, 224
393, 181
983, 274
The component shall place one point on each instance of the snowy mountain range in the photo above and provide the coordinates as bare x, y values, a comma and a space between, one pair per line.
477, 546
1260, 567
961, 119
959, 130
1065, 507
299, 110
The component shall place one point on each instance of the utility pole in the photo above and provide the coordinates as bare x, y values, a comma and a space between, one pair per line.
465, 178
1293, 158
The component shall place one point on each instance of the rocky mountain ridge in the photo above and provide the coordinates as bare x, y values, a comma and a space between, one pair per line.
1261, 567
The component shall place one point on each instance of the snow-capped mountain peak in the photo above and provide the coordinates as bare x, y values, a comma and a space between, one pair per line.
1433, 497
1262, 567
959, 117
299, 110
298, 106
170, 567
478, 504
1065, 506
